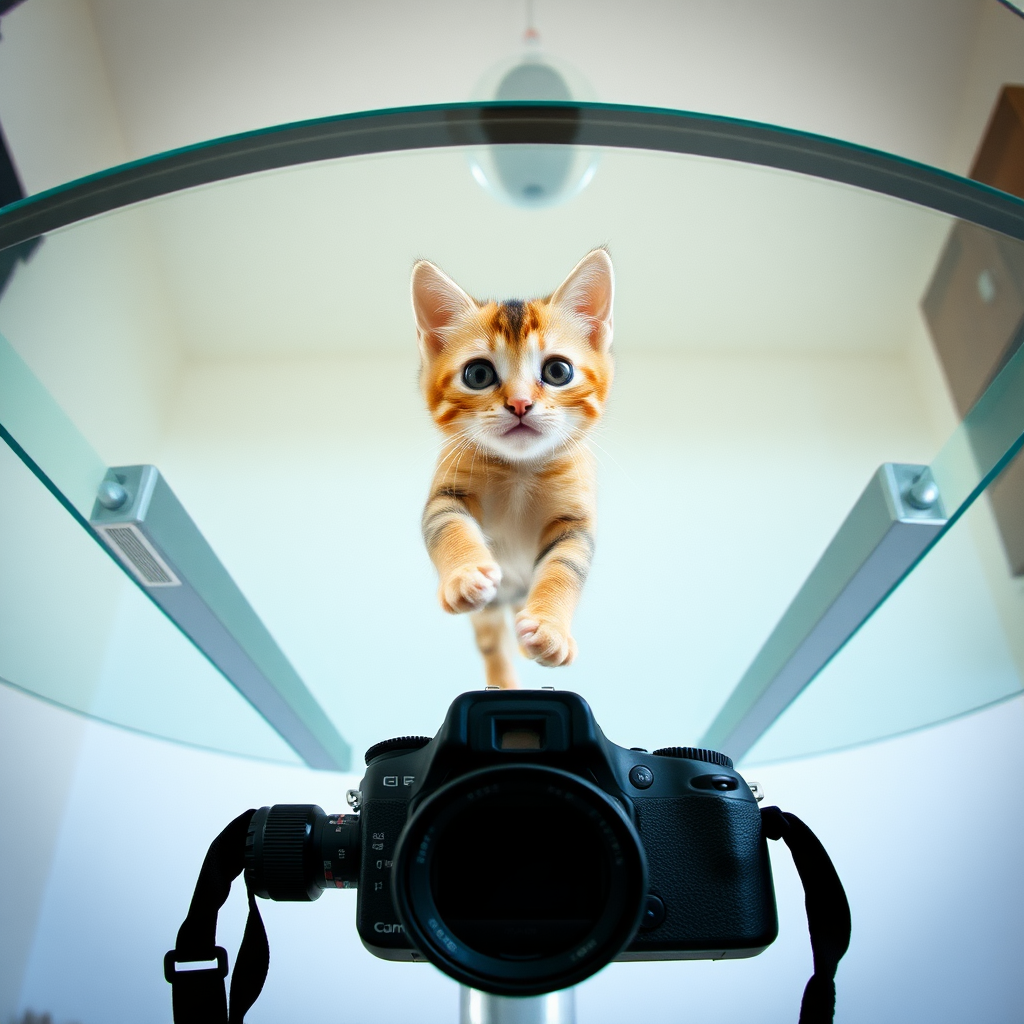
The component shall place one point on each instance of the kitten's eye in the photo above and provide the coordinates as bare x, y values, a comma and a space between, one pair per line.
557, 372
478, 375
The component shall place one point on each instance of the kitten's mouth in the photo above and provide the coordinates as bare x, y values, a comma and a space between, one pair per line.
519, 428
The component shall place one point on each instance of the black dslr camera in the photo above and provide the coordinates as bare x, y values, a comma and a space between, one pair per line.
520, 851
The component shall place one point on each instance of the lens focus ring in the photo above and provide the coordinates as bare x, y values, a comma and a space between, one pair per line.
278, 850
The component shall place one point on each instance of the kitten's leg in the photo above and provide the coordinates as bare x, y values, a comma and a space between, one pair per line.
543, 626
469, 575
495, 642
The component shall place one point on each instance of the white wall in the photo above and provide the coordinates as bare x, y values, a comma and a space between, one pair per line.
996, 59
56, 104
83, 134
39, 751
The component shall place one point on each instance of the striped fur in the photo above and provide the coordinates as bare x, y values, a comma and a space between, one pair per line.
509, 522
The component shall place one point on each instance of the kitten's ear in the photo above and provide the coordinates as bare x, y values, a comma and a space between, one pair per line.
437, 302
588, 293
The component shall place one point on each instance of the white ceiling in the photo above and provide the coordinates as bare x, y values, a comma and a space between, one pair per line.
316, 260
914, 77
882, 73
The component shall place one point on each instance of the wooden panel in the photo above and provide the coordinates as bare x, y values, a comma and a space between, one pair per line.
974, 305
1000, 158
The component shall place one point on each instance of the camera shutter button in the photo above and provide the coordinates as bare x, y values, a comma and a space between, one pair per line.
641, 776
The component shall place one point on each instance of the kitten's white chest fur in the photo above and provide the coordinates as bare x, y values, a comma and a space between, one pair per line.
512, 525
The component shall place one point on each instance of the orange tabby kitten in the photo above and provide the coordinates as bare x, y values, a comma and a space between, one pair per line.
514, 387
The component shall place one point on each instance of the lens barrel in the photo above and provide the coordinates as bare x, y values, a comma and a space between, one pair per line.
520, 879
295, 851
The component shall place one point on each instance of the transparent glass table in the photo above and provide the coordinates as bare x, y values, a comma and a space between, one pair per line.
792, 313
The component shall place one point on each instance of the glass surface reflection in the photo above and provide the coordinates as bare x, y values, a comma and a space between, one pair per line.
253, 339
77, 632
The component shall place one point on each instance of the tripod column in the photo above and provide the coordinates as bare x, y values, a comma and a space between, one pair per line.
482, 1008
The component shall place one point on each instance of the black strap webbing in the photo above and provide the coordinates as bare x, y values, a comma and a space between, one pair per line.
198, 996
828, 912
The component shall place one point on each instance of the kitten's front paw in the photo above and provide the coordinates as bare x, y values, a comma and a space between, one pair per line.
470, 587
544, 641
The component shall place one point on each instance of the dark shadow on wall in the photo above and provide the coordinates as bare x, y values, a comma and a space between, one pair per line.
11, 190
28, 1017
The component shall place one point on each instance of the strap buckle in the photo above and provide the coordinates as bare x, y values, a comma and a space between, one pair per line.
171, 958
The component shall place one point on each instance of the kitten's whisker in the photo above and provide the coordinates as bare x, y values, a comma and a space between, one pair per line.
601, 448
452, 464
476, 448
453, 438
609, 437
437, 445
567, 441
460, 451
451, 455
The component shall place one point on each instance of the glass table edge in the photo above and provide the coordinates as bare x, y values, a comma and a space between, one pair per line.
437, 126
752, 763
150, 734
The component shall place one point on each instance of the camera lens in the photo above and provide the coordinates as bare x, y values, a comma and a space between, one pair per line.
520, 879
295, 851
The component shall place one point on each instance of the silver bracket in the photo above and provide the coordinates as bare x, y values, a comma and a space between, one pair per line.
148, 530
894, 522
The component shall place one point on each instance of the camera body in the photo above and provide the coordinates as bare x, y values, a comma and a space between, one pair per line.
709, 891
520, 851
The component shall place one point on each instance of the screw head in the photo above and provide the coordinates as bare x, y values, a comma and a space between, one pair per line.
924, 493
111, 495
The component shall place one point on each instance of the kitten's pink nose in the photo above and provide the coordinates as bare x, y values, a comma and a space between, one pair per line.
520, 406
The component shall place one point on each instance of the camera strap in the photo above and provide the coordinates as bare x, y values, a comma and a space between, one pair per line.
828, 912
198, 996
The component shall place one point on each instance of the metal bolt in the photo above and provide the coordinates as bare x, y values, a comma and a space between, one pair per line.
924, 492
111, 495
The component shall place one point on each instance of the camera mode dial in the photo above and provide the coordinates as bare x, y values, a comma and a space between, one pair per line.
398, 743
696, 754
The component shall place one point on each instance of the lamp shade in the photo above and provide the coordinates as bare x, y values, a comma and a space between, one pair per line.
533, 175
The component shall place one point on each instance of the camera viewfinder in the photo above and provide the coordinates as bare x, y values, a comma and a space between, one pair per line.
519, 734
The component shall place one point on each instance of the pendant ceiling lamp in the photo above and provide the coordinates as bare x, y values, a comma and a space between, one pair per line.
533, 175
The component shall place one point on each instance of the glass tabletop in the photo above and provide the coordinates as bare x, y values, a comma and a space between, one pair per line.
778, 337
